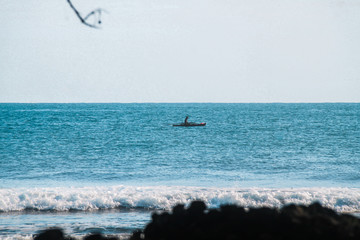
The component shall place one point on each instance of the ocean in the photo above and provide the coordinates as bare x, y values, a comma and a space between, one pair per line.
106, 167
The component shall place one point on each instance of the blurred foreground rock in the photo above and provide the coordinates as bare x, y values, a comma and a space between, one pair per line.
232, 222
57, 234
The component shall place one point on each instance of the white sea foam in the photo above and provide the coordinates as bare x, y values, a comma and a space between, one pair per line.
163, 197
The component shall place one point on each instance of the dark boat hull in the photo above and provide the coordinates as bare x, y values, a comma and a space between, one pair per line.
189, 125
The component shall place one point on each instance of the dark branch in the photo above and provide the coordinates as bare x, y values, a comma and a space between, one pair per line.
96, 14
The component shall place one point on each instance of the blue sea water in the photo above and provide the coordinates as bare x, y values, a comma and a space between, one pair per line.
105, 167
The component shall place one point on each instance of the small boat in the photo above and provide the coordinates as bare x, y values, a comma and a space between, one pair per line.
189, 124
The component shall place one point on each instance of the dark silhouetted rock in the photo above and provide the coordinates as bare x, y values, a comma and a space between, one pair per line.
51, 234
234, 222
57, 234
231, 222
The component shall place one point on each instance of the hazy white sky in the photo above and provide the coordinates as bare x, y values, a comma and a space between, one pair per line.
181, 51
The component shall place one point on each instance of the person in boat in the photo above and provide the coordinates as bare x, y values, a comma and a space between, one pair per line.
186, 121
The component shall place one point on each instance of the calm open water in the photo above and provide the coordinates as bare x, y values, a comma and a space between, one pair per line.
101, 167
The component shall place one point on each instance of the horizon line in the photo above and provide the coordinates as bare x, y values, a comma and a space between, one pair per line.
150, 102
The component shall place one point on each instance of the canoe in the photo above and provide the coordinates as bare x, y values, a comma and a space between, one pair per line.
190, 124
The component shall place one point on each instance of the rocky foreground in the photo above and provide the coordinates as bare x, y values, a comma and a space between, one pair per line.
231, 222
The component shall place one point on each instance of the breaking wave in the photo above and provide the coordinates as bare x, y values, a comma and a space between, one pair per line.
164, 197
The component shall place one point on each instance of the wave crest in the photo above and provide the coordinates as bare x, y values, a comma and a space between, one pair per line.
164, 197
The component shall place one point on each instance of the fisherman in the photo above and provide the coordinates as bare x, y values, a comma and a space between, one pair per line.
186, 121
